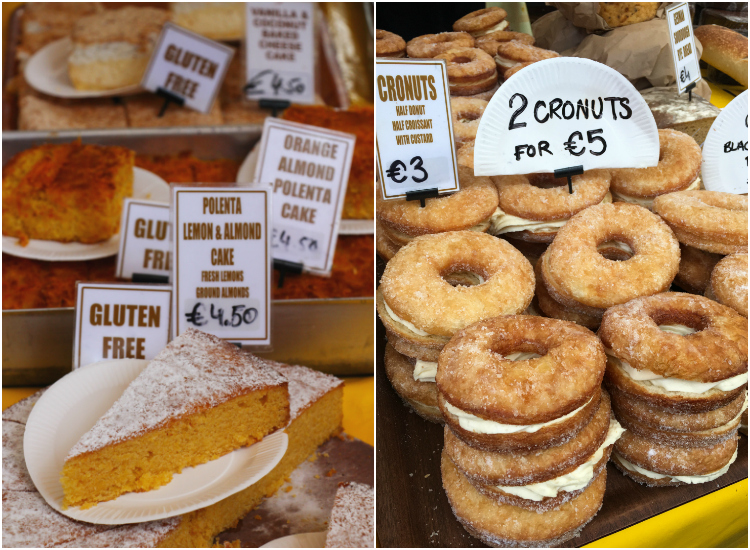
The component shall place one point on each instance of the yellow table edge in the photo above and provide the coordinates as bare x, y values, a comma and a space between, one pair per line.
359, 405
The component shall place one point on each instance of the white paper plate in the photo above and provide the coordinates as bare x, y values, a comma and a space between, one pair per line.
631, 142
301, 540
47, 72
74, 404
726, 172
146, 185
246, 175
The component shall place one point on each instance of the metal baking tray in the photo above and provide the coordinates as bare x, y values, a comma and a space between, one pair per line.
333, 335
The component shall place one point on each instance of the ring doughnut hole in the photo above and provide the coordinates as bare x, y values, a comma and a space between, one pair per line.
690, 319
616, 248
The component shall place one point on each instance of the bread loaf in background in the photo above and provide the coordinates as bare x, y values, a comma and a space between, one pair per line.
724, 49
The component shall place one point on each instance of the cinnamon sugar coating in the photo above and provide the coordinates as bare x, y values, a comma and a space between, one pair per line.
551, 308
534, 466
471, 206
430, 45
716, 352
679, 166
666, 459
413, 286
474, 376
523, 53
577, 274
729, 283
388, 44
670, 421
480, 19
541, 197
400, 372
710, 220
470, 71
490, 41
510, 526
695, 269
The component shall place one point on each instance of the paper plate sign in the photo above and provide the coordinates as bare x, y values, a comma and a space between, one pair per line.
724, 166
565, 112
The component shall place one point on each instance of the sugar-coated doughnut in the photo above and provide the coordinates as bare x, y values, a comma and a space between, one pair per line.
550, 308
430, 45
678, 169
470, 71
469, 208
658, 464
728, 283
414, 289
465, 155
481, 22
534, 207
496, 403
710, 220
420, 396
693, 438
578, 276
385, 246
466, 114
510, 526
510, 54
389, 45
513, 70
490, 41
695, 269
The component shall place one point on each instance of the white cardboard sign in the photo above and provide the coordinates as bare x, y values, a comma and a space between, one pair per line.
222, 263
120, 321
187, 65
565, 112
280, 60
307, 169
414, 127
724, 165
145, 239
684, 54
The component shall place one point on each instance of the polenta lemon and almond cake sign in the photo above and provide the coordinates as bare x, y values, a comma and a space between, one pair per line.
307, 170
222, 263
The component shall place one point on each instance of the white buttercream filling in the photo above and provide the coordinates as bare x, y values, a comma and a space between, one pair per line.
425, 371
477, 425
615, 244
505, 63
104, 51
501, 222
685, 479
680, 330
502, 25
678, 384
648, 202
573, 481
407, 324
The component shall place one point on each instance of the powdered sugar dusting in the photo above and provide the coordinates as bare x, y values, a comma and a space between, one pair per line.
15, 475
305, 385
21, 410
352, 522
195, 371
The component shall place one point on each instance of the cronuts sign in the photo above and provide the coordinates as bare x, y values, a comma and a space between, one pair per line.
565, 112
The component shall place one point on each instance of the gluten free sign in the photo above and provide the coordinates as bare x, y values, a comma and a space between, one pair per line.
222, 262
120, 322
188, 66
565, 112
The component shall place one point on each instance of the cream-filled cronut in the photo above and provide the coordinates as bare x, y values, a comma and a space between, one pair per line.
648, 202
690, 480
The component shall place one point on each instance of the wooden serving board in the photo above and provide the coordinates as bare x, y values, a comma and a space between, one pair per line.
303, 504
413, 511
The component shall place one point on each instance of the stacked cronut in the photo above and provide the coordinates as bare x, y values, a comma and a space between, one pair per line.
528, 429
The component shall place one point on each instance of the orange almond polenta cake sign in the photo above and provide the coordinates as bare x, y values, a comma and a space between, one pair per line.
222, 263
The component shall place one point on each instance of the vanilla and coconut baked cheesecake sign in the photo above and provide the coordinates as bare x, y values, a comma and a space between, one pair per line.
145, 240
187, 68
222, 262
564, 113
120, 321
414, 129
280, 62
724, 166
307, 169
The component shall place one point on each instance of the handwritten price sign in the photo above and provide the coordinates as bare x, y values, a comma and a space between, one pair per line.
280, 51
565, 112
724, 166
681, 39
222, 262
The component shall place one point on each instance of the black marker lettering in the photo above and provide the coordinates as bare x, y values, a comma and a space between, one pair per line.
554, 106
536, 107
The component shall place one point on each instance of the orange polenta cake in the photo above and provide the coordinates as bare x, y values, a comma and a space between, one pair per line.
197, 400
